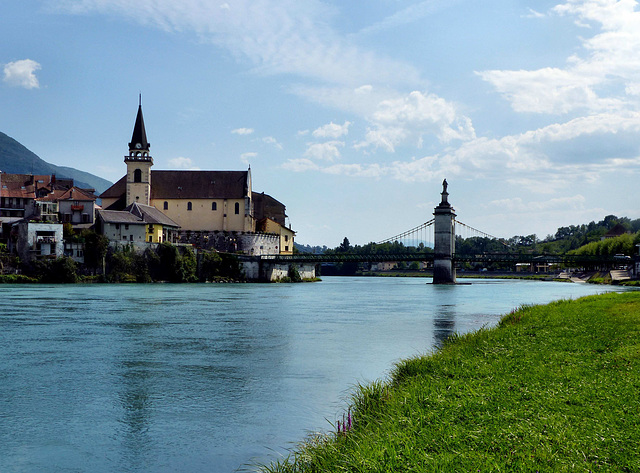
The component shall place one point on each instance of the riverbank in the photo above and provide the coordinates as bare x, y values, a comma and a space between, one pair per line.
551, 388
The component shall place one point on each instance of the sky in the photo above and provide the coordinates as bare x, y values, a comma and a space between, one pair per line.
351, 113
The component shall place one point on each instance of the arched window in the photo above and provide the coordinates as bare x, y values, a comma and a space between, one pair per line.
237, 208
166, 205
214, 206
189, 206
137, 175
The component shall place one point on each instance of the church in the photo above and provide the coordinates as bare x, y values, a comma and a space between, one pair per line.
213, 209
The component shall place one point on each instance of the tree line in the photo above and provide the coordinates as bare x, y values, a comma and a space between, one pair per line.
585, 239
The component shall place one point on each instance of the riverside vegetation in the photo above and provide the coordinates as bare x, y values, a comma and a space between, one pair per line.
583, 239
165, 262
551, 388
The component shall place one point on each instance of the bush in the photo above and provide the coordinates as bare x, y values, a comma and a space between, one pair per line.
60, 270
294, 274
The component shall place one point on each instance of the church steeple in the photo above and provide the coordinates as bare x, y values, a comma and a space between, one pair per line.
139, 163
139, 137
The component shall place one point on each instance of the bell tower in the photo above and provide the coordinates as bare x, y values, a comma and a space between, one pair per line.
139, 163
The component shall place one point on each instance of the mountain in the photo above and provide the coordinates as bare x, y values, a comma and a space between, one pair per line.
16, 159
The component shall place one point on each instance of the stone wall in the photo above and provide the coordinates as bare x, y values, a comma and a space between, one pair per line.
233, 242
256, 269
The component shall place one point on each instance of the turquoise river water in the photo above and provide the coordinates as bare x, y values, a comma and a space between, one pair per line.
212, 377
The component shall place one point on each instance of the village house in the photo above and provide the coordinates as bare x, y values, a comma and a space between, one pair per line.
34, 240
74, 205
32, 208
137, 223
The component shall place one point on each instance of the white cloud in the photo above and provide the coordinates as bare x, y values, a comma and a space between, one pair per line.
332, 130
410, 118
297, 39
534, 14
270, 140
300, 165
358, 170
411, 14
354, 170
246, 157
22, 74
328, 151
182, 163
242, 131
517, 204
606, 78
364, 90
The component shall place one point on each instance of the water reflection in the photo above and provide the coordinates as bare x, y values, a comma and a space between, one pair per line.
444, 313
136, 372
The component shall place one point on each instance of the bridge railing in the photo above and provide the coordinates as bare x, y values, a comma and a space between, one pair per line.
346, 258
487, 258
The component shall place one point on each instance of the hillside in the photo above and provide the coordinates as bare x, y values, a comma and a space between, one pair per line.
17, 159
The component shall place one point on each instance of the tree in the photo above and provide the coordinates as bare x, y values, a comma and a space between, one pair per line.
95, 248
345, 246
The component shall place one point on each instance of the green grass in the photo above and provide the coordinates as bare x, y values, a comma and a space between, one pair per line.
552, 388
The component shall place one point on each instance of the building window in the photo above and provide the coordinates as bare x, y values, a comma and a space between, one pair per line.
137, 175
237, 208
126, 227
286, 238
130, 237
166, 205
214, 206
189, 206
117, 226
150, 239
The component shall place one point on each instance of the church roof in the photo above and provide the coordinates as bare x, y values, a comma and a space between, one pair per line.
137, 214
120, 216
190, 185
198, 184
150, 214
139, 133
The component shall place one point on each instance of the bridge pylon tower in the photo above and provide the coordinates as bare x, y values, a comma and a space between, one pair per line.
444, 272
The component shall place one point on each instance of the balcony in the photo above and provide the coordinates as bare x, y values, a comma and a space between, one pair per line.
77, 208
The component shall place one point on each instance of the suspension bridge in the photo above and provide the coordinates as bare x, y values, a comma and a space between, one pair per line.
434, 241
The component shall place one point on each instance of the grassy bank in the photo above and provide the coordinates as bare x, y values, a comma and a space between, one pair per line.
552, 388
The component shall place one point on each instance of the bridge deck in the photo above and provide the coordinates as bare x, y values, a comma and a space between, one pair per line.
457, 257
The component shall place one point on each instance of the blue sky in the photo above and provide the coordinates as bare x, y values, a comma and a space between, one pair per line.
351, 113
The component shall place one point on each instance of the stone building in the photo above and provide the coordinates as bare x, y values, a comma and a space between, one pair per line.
214, 209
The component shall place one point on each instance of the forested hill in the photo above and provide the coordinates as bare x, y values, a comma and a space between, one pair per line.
17, 159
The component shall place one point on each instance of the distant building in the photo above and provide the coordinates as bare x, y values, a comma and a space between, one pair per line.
213, 209
616, 231
40, 197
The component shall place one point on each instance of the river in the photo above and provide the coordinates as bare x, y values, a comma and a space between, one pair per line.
212, 377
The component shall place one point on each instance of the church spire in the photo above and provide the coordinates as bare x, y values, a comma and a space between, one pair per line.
139, 138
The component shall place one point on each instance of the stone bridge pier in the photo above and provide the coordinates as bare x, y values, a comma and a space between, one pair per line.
444, 272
